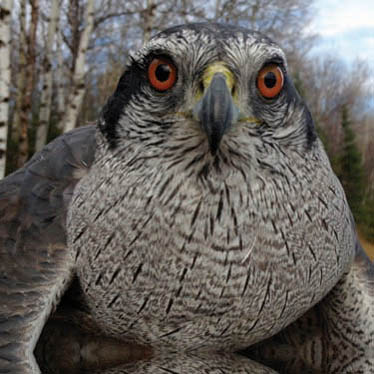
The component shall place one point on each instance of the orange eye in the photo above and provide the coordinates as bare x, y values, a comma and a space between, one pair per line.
270, 81
162, 74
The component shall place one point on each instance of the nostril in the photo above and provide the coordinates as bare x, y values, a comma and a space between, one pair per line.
201, 86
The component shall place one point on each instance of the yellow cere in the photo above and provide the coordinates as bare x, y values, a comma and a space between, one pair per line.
218, 67
214, 68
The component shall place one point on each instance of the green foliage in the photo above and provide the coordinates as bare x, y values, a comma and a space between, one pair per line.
351, 171
368, 218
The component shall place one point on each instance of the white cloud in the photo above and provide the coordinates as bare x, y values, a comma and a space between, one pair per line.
346, 28
340, 16
370, 42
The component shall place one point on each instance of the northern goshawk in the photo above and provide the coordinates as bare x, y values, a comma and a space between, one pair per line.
199, 218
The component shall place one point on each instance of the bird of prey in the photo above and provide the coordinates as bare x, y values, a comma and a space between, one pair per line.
197, 228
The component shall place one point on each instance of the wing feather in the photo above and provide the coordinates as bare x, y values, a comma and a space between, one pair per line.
35, 265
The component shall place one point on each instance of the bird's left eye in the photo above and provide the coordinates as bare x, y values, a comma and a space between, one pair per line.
162, 74
270, 81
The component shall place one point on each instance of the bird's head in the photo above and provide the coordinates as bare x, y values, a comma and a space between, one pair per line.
205, 94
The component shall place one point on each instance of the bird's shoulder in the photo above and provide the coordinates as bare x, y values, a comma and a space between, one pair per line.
38, 194
35, 265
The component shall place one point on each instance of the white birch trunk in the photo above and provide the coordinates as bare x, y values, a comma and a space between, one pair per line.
25, 109
5, 8
60, 82
79, 87
148, 16
21, 75
46, 97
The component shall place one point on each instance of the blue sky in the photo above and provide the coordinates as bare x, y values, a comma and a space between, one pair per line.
346, 27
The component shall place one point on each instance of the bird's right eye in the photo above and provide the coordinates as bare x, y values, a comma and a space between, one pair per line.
162, 74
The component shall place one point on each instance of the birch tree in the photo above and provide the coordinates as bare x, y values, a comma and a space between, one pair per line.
21, 72
5, 20
46, 96
76, 95
25, 113
148, 19
59, 76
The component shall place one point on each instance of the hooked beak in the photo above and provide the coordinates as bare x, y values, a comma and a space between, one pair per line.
216, 110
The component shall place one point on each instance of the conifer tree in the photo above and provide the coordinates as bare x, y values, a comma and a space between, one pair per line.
351, 172
368, 224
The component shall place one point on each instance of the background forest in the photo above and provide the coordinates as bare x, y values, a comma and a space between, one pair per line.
61, 59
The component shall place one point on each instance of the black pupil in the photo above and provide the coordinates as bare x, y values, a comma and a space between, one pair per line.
163, 72
270, 79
